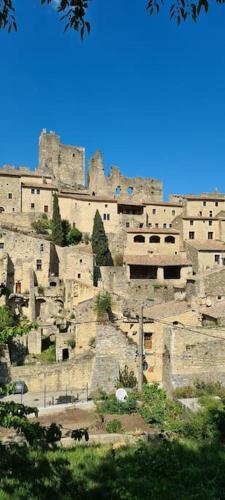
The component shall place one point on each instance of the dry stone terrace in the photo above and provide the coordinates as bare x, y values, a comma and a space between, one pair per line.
168, 257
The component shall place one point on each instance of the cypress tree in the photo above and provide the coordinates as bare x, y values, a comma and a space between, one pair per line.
100, 243
57, 228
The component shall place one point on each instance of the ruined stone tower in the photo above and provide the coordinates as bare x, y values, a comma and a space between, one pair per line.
63, 163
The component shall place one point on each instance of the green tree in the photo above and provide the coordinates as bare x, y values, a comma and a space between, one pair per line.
100, 243
74, 12
7, 319
57, 227
74, 236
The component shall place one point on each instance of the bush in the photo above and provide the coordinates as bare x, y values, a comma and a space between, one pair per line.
111, 406
42, 225
157, 409
74, 236
200, 388
126, 378
114, 426
103, 303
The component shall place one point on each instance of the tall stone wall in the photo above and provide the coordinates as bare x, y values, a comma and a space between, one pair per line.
191, 355
113, 351
64, 163
137, 188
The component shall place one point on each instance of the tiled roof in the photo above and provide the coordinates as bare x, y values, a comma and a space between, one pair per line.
152, 230
167, 309
207, 245
165, 203
215, 311
156, 260
39, 186
85, 197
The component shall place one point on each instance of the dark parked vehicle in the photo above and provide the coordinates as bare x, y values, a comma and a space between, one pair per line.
19, 387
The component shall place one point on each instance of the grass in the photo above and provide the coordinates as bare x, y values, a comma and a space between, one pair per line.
47, 356
181, 470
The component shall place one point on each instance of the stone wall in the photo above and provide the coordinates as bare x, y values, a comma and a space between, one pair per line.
73, 374
113, 351
138, 188
64, 163
193, 355
17, 221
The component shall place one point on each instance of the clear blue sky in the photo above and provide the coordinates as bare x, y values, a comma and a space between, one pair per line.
149, 94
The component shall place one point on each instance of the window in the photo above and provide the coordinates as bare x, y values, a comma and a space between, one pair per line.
79, 275
104, 216
80, 261
32, 205
191, 235
219, 297
200, 213
10, 196
216, 203
46, 209
139, 238
108, 216
210, 236
127, 224
39, 264
38, 191
154, 239
156, 224
217, 259
169, 239
164, 225
204, 203
191, 222
173, 212
106, 206
210, 222
141, 225
130, 191
1, 245
74, 225
41, 247
210, 213
154, 211
13, 209
32, 190
148, 340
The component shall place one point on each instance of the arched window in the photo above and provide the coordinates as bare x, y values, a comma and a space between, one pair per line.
118, 191
2, 209
130, 191
169, 239
154, 239
139, 238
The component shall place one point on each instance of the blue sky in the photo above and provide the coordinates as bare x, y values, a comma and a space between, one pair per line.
149, 94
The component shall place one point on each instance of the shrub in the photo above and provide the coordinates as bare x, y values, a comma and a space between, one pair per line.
114, 426
103, 303
71, 343
200, 388
42, 225
111, 406
126, 378
74, 236
157, 409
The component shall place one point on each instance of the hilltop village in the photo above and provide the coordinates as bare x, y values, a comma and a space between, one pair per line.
168, 260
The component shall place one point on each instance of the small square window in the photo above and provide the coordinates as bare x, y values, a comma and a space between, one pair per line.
79, 275
46, 209
32, 205
217, 258
200, 214
216, 203
108, 216
210, 236
127, 224
156, 224
173, 212
1, 245
204, 203
80, 261
154, 210
210, 213
106, 206
191, 222
104, 216
38, 191
191, 235
13, 209
210, 222
164, 225
10, 196
41, 247
32, 190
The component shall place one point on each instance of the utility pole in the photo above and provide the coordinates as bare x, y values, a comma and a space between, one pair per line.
140, 351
